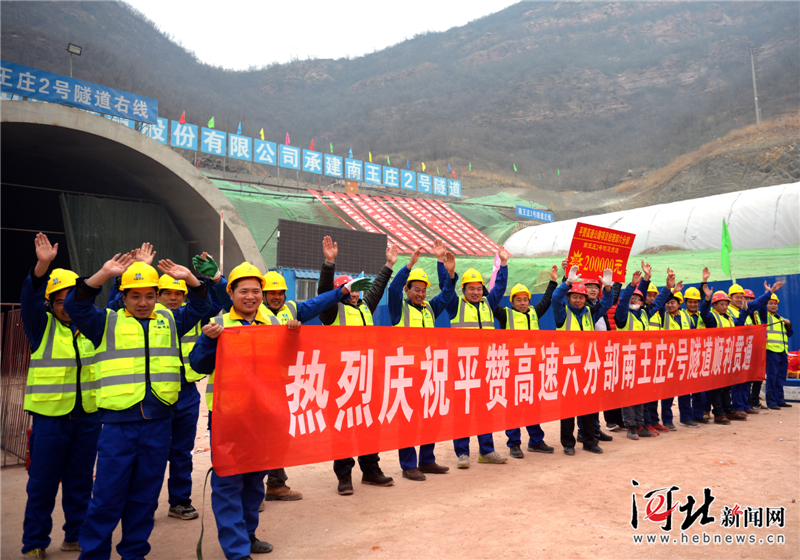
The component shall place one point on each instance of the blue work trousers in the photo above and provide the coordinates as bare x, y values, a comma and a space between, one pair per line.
777, 368
408, 456
485, 445
740, 397
62, 451
235, 501
184, 432
535, 433
131, 461
691, 406
651, 412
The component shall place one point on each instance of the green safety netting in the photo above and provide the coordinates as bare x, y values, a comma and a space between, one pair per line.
502, 199
688, 266
486, 213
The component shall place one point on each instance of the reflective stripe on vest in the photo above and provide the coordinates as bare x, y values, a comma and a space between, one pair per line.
53, 370
671, 323
722, 320
521, 321
187, 343
636, 324
571, 323
655, 321
123, 372
697, 320
468, 317
358, 316
776, 335
286, 313
226, 321
410, 316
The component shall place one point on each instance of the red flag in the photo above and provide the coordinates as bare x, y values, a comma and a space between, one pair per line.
312, 142
287, 138
183, 118
454, 173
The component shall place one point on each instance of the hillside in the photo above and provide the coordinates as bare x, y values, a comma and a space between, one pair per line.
590, 90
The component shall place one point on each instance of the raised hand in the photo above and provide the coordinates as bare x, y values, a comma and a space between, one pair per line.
573, 275
357, 285
45, 253
213, 330
414, 257
775, 287
608, 278
205, 265
117, 264
670, 278
178, 272
707, 291
648, 270
504, 256
565, 265
144, 254
706, 274
330, 249
636, 278
678, 287
439, 249
554, 273
449, 263
391, 255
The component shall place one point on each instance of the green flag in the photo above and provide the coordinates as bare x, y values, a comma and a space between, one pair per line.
331, 147
725, 250
437, 170
388, 161
559, 173
211, 123
515, 168
470, 166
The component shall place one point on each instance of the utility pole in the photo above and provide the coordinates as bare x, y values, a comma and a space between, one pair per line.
753, 53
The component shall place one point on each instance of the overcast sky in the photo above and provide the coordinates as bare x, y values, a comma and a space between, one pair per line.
238, 34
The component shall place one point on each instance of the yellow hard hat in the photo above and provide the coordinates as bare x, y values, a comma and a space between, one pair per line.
470, 276
678, 296
735, 289
167, 282
692, 293
244, 270
418, 275
519, 289
773, 296
274, 281
652, 288
139, 275
60, 279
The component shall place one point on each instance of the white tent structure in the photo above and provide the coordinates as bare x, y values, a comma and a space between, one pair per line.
757, 218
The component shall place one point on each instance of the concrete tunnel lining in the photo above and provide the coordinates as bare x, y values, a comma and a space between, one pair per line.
96, 155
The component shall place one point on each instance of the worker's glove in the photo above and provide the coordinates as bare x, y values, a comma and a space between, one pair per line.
207, 267
573, 275
359, 284
608, 278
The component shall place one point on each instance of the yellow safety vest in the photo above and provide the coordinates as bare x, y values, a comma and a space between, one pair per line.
226, 321
285, 314
53, 370
187, 343
733, 312
572, 324
468, 317
696, 317
522, 321
655, 321
126, 360
721, 320
682, 322
350, 315
755, 319
777, 341
410, 316
636, 324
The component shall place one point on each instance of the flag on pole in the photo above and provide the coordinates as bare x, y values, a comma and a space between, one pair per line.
351, 153
470, 166
370, 157
211, 123
515, 168
495, 270
559, 173
725, 250
239, 130
331, 147
408, 165
437, 171
312, 144
183, 118
388, 161
448, 168
423, 167
262, 133
287, 139
454, 173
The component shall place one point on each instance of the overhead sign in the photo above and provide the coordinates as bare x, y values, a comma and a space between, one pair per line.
596, 248
534, 214
38, 84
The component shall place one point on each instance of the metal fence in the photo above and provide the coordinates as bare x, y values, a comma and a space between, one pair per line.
16, 356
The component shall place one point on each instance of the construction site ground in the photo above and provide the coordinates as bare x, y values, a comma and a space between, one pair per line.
541, 506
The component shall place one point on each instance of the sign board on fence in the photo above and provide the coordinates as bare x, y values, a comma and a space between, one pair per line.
534, 214
596, 248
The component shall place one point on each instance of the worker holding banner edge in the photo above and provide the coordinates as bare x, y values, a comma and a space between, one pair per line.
413, 311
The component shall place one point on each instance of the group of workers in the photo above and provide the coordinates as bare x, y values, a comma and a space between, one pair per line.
116, 385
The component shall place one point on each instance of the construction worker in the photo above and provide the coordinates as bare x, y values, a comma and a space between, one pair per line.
779, 329
354, 312
755, 386
714, 312
656, 312
60, 397
632, 316
521, 316
408, 308
474, 311
572, 314
236, 499
137, 364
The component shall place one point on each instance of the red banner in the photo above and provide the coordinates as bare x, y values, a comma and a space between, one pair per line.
596, 248
284, 398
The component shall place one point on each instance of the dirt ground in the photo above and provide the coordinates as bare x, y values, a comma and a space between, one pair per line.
542, 506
